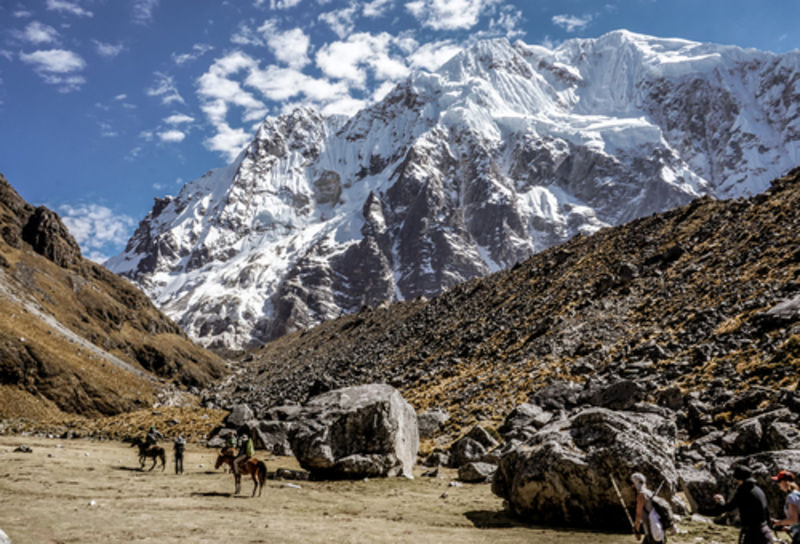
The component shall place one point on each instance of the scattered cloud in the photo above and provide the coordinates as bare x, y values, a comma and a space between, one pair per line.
72, 8
449, 14
108, 50
349, 60
246, 36
107, 131
6, 54
178, 119
164, 87
57, 67
121, 97
281, 4
38, 33
23, 14
172, 136
97, 229
431, 56
143, 11
341, 21
198, 50
290, 47
377, 8
571, 23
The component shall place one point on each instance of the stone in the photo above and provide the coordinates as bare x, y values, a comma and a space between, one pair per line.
521, 417
437, 459
562, 476
289, 474
4, 538
621, 395
482, 436
782, 436
699, 487
357, 432
272, 436
465, 450
430, 421
23, 449
239, 416
476, 472
743, 438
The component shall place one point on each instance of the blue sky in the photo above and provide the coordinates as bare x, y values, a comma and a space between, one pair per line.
106, 104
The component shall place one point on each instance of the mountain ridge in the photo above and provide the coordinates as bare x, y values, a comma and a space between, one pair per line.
506, 150
75, 338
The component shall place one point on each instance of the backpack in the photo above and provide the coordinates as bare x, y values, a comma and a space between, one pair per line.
662, 508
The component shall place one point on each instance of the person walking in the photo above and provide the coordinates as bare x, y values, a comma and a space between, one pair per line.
647, 521
751, 502
179, 447
791, 509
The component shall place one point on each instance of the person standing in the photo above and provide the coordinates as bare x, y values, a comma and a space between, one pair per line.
179, 447
751, 502
647, 520
791, 509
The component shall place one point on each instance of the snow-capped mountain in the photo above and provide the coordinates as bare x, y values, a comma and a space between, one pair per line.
504, 151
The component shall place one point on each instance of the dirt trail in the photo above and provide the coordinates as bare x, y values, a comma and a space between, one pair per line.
81, 491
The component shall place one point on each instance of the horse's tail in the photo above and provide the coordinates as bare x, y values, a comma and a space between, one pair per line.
261, 467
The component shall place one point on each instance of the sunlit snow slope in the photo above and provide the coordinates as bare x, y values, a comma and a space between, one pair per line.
504, 151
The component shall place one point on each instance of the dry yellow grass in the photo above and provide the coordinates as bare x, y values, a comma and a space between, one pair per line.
79, 491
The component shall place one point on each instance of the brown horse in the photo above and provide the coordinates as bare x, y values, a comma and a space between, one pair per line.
152, 451
255, 468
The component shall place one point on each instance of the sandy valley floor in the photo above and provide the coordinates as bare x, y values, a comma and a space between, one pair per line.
81, 491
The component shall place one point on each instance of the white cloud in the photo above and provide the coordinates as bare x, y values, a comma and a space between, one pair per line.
350, 60
571, 23
121, 97
108, 50
97, 229
164, 87
449, 14
6, 54
198, 50
178, 119
57, 67
68, 7
377, 8
290, 47
107, 131
172, 136
340, 21
431, 56
281, 4
39, 33
246, 36
22, 14
143, 11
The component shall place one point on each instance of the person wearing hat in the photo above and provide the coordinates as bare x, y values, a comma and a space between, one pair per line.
647, 521
791, 509
751, 502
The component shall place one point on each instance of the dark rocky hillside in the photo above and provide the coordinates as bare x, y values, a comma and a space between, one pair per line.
691, 305
75, 338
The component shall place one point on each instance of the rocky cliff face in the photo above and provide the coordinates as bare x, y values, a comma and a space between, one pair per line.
74, 337
505, 151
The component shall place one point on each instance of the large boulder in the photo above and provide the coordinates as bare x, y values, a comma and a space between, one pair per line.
356, 432
430, 421
4, 538
562, 475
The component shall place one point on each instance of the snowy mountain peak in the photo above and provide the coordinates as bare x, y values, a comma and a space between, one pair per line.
506, 150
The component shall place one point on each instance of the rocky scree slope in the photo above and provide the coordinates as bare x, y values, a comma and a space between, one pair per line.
75, 338
506, 150
698, 308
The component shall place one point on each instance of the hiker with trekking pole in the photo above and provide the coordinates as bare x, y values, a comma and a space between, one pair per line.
652, 517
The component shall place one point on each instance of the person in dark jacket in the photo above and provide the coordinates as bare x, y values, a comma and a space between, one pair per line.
751, 502
180, 447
